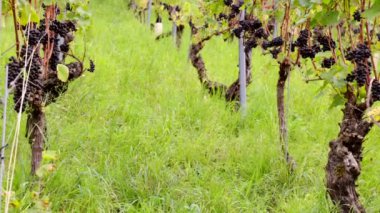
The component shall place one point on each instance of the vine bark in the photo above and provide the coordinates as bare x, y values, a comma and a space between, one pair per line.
345, 157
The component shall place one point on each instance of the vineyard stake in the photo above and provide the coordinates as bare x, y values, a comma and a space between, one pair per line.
149, 12
242, 70
275, 29
3, 142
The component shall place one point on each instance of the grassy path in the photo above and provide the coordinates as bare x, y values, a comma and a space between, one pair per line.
140, 134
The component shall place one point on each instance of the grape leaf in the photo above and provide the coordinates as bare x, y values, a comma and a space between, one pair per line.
62, 72
373, 12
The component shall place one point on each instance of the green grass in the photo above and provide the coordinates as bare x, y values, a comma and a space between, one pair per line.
140, 134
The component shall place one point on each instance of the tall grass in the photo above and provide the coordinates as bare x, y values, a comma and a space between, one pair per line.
140, 134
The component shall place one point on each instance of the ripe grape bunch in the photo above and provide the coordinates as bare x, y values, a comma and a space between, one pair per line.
360, 56
276, 42
357, 15
34, 75
327, 42
328, 62
302, 44
376, 90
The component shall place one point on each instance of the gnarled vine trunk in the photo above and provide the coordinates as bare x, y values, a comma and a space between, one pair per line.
285, 68
231, 93
345, 156
197, 61
37, 132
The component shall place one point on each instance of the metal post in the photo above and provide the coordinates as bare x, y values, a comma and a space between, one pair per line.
275, 29
242, 70
149, 12
3, 140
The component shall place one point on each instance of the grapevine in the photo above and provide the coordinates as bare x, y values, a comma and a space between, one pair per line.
35, 75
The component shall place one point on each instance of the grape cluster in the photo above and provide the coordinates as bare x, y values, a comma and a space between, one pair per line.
222, 16
327, 43
260, 33
228, 2
251, 43
303, 38
237, 31
328, 62
34, 87
14, 69
307, 52
251, 25
361, 72
350, 77
375, 90
302, 44
360, 53
62, 28
360, 56
276, 42
41, 86
275, 52
316, 48
235, 8
357, 15
34, 37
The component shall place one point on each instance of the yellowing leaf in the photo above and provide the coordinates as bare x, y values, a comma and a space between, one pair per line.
49, 155
373, 114
45, 169
15, 204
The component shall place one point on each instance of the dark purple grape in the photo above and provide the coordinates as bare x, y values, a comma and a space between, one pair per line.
360, 53
357, 15
237, 31
307, 52
350, 77
328, 62
275, 52
228, 2
361, 72
375, 90
277, 42
251, 43
92, 66
327, 43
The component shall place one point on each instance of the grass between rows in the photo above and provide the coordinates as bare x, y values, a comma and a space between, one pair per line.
140, 134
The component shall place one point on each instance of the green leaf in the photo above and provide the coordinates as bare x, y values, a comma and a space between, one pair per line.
338, 100
63, 72
329, 18
27, 14
373, 12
